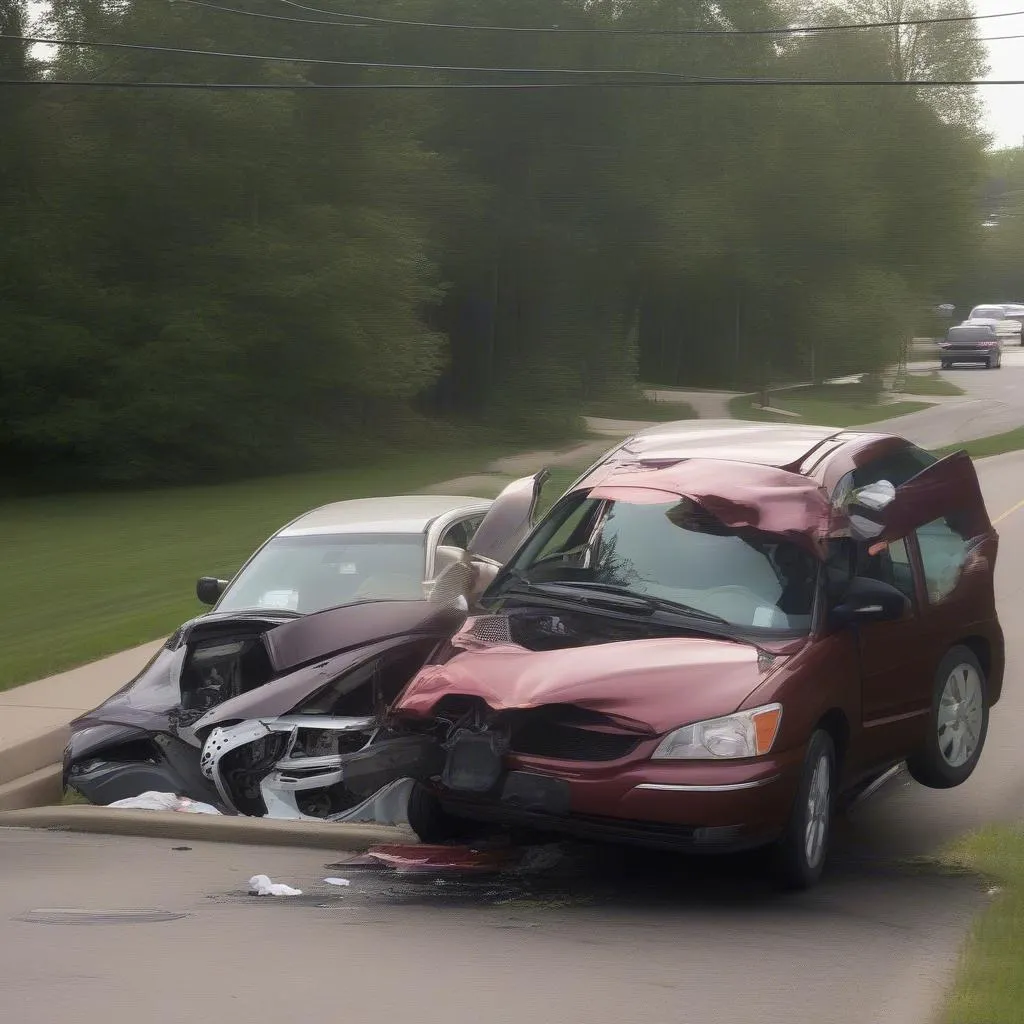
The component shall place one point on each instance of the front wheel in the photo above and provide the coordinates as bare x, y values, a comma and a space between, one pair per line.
800, 855
957, 725
432, 823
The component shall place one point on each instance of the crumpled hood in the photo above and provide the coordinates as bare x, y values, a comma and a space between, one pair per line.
658, 684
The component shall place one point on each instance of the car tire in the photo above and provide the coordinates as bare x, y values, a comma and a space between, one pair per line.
432, 823
801, 852
944, 365
952, 748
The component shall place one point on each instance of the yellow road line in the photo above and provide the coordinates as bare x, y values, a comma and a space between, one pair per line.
1008, 512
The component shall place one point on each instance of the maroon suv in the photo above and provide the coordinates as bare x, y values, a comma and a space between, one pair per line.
716, 633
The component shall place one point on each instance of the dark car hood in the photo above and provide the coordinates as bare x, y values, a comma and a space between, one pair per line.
657, 684
305, 653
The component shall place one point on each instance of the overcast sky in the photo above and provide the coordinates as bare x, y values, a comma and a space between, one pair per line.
1004, 103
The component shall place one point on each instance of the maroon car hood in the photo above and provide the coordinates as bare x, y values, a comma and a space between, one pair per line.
657, 684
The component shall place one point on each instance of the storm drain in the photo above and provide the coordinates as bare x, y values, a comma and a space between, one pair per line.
61, 915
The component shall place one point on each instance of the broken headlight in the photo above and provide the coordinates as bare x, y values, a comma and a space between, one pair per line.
743, 734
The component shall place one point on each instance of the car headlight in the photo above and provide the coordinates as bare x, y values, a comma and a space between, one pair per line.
744, 734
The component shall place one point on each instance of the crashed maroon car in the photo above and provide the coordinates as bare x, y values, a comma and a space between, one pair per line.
713, 636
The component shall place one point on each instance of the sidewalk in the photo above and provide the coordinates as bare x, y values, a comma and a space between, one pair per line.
34, 721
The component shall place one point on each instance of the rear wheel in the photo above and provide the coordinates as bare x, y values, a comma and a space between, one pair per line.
957, 726
800, 855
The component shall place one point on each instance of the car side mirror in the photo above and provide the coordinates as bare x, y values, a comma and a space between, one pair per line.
868, 600
209, 589
865, 507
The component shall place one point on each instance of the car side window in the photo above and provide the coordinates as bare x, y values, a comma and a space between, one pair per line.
460, 533
891, 565
897, 467
943, 554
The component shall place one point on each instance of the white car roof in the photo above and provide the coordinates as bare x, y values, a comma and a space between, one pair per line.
397, 513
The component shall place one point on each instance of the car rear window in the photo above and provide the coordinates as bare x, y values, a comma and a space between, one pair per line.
971, 334
987, 313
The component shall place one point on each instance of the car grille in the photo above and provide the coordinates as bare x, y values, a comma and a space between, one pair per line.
540, 736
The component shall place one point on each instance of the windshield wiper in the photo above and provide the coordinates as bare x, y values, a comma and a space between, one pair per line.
614, 596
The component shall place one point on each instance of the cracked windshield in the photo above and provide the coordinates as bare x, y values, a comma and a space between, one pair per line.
513, 509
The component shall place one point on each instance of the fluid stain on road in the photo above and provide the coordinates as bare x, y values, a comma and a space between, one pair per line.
570, 876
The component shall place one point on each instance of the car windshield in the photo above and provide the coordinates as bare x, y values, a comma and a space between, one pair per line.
309, 574
674, 551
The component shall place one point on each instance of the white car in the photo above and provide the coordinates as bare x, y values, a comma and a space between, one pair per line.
1002, 317
390, 548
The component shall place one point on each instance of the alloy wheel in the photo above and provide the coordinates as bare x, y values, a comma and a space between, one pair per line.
960, 716
819, 799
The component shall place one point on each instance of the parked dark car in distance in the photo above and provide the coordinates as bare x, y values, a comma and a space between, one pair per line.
977, 342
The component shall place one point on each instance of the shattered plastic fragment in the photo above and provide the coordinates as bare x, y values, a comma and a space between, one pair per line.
261, 885
155, 801
440, 858
337, 881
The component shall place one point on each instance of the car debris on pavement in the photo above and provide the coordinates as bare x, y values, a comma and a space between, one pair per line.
261, 885
154, 801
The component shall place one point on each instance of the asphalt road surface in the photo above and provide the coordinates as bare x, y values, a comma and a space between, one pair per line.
615, 939
993, 403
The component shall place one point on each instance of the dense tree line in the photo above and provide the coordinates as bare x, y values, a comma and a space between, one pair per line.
195, 282
998, 273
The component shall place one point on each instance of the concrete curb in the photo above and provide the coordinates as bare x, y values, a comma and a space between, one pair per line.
206, 828
32, 754
37, 788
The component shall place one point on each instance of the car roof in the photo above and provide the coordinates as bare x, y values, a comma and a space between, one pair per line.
765, 444
396, 513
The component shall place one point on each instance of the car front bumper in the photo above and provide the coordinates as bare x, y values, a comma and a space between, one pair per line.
695, 807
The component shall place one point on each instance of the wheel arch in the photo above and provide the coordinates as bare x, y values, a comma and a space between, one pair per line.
837, 725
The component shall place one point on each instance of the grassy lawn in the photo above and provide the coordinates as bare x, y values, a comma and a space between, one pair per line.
89, 575
930, 384
990, 982
640, 408
995, 444
830, 405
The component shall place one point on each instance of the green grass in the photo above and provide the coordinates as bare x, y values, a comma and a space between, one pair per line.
990, 982
640, 408
983, 447
830, 405
929, 384
88, 575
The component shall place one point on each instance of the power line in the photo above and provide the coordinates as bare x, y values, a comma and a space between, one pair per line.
366, 21
608, 30
94, 44
522, 86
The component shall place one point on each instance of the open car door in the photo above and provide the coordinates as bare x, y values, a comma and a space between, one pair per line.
508, 520
950, 486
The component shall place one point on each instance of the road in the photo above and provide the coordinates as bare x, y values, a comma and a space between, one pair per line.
660, 939
993, 403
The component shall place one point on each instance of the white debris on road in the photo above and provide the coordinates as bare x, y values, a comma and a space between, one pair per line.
154, 801
261, 885
337, 881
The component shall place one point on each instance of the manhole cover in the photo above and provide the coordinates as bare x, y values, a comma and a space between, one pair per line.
60, 915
